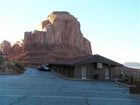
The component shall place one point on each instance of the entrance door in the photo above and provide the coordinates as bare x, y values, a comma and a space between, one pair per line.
83, 73
106, 73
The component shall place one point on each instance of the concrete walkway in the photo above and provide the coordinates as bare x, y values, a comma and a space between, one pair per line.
44, 88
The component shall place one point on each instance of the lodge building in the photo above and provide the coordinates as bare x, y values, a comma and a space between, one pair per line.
89, 67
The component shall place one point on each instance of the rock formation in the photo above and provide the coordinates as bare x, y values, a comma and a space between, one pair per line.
16, 51
57, 37
12, 52
5, 47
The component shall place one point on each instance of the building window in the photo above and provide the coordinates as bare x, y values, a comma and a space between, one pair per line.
99, 65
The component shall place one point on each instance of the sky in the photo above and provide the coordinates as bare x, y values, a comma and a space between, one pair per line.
112, 26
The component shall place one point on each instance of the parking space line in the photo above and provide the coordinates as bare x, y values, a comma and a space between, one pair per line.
69, 91
72, 97
95, 87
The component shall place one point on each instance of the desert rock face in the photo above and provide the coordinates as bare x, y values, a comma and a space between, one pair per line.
58, 36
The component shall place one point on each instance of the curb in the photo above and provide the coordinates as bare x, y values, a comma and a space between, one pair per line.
124, 84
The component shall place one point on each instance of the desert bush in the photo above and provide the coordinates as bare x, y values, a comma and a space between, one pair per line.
126, 79
19, 66
2, 59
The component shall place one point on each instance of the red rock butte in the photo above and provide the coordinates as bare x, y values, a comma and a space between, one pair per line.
59, 36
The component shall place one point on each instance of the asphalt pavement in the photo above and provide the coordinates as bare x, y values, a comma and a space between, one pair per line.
44, 88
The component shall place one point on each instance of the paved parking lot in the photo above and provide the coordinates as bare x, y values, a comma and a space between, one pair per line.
44, 88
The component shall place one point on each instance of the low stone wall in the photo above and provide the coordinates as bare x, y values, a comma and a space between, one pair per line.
135, 89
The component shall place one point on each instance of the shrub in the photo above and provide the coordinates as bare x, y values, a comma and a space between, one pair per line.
126, 79
2, 59
19, 66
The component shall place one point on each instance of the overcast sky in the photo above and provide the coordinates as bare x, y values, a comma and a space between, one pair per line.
112, 26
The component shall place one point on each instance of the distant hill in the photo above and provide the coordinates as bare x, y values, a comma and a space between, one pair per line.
132, 64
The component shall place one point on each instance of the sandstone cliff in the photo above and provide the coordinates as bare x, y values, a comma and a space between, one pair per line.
58, 36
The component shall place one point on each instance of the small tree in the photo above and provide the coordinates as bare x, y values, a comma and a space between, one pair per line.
2, 59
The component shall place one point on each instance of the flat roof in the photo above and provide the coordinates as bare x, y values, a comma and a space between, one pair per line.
85, 60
